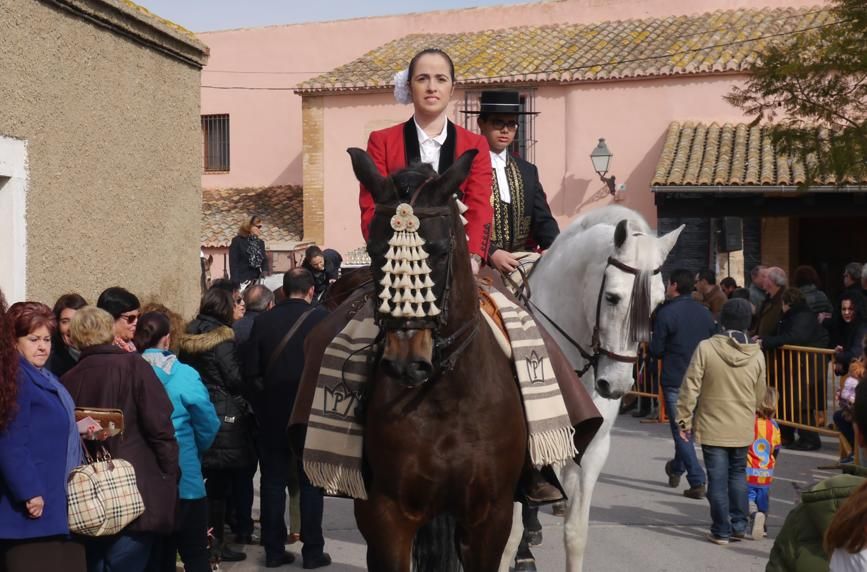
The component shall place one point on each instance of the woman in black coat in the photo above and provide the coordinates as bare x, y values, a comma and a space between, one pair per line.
209, 347
248, 262
64, 355
851, 330
314, 261
799, 326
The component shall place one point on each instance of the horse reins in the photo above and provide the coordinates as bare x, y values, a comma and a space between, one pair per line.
597, 350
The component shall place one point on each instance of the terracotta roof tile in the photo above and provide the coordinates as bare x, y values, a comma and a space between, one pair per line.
722, 41
696, 154
224, 210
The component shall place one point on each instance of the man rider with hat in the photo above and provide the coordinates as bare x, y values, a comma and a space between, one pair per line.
522, 218
522, 223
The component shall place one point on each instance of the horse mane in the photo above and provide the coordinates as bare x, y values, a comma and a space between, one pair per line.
611, 215
638, 316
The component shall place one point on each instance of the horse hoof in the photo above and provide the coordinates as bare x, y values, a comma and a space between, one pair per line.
525, 565
558, 509
534, 537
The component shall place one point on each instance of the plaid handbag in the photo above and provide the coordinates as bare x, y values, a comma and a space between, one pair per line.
102, 495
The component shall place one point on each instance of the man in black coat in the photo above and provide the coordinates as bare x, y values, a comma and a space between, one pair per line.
277, 359
681, 323
799, 327
522, 218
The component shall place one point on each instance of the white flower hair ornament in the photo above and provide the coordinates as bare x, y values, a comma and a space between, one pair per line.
401, 87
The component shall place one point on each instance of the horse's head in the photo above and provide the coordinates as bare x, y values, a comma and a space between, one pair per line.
630, 289
417, 249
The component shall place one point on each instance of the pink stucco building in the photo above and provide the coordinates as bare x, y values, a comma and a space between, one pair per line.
647, 75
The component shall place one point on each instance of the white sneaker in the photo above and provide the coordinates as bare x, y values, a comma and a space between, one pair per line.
758, 529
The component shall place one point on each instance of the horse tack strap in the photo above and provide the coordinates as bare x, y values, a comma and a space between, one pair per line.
626, 268
596, 347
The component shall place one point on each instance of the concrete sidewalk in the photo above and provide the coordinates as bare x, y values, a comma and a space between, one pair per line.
637, 522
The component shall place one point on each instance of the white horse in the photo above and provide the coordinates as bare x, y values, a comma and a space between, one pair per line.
597, 285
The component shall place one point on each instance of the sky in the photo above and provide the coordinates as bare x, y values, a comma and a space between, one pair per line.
208, 15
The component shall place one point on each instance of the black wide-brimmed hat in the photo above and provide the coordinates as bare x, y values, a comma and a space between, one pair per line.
499, 101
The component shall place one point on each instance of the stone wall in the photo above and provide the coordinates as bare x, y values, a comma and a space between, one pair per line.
107, 99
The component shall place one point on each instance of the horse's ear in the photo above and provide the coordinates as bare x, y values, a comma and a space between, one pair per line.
667, 242
366, 172
620, 233
454, 176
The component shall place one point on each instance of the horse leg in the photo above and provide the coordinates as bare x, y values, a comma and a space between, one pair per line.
514, 541
482, 545
579, 482
388, 533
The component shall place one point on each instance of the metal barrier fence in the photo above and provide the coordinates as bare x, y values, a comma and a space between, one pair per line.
804, 378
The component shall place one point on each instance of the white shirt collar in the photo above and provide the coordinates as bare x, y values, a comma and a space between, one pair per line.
500, 158
422, 136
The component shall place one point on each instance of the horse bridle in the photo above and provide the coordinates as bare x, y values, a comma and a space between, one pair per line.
597, 349
460, 339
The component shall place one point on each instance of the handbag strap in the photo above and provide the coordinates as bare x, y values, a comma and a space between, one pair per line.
285, 341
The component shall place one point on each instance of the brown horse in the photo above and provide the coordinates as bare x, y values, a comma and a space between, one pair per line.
445, 436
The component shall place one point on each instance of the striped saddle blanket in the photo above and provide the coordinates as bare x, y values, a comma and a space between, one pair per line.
334, 444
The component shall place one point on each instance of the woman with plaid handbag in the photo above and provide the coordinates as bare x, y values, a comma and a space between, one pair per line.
108, 377
39, 446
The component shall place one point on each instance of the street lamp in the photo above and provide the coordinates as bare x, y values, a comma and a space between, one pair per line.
601, 158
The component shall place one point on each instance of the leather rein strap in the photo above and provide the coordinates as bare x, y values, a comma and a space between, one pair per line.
597, 350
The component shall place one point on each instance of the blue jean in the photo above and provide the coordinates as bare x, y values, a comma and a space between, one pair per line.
685, 460
727, 489
761, 496
126, 552
277, 465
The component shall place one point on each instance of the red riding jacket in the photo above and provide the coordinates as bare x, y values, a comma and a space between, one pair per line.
389, 150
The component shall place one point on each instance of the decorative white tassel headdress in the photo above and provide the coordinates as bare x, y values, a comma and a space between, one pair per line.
401, 87
407, 285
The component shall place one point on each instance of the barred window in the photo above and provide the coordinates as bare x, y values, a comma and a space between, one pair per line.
524, 145
215, 134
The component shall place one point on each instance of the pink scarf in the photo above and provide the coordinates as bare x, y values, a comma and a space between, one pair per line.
125, 346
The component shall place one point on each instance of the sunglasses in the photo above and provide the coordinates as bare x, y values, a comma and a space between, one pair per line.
499, 124
258, 226
130, 319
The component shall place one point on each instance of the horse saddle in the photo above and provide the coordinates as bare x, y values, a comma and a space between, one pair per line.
493, 318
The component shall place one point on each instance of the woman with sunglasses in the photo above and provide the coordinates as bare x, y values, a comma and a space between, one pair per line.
125, 308
429, 137
248, 262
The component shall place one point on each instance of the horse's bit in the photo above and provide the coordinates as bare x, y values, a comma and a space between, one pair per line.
597, 349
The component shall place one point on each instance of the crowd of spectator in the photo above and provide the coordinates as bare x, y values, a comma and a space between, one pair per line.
713, 341
205, 405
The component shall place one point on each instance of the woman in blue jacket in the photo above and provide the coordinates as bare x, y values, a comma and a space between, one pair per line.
39, 446
196, 426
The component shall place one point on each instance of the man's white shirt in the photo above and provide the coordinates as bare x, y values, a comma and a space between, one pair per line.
499, 160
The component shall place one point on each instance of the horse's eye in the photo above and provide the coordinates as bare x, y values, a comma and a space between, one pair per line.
612, 299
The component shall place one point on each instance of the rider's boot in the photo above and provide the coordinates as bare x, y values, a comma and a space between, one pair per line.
540, 486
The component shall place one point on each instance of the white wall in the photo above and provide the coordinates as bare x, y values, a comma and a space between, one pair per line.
13, 222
